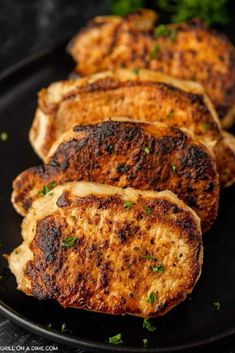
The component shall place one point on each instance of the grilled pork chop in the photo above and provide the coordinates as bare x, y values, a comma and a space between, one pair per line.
146, 96
124, 153
101, 248
189, 50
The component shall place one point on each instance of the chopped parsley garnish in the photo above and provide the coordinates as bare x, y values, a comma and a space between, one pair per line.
68, 242
47, 188
147, 150
148, 210
128, 204
148, 257
123, 7
172, 34
148, 326
173, 167
154, 51
117, 339
152, 298
209, 11
205, 126
158, 268
64, 327
145, 342
217, 305
163, 31
4, 136
136, 70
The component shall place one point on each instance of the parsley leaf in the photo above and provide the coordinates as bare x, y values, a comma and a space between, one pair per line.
205, 126
145, 342
3, 136
68, 242
136, 70
151, 298
64, 327
128, 204
148, 326
209, 11
159, 268
148, 210
148, 257
47, 188
164, 31
173, 167
147, 150
217, 305
123, 7
117, 339
154, 51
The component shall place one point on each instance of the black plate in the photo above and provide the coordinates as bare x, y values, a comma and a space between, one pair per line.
193, 323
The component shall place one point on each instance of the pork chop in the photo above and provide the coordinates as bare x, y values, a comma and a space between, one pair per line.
109, 250
126, 153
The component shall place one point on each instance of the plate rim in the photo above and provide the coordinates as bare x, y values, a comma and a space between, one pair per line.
55, 335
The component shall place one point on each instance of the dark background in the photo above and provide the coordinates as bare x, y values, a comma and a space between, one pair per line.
26, 27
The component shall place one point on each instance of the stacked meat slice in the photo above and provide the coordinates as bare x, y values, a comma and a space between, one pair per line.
103, 228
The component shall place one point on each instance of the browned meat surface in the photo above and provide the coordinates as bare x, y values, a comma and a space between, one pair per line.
124, 153
146, 96
114, 251
189, 50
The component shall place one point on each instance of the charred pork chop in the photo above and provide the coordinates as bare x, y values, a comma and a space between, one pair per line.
190, 51
126, 153
109, 250
146, 96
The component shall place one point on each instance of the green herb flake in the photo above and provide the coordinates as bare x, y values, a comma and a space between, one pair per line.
154, 51
211, 12
117, 339
145, 342
123, 7
161, 31
148, 211
136, 70
158, 268
64, 327
172, 35
4, 136
217, 305
47, 188
148, 257
173, 167
205, 126
128, 204
152, 298
68, 242
147, 150
148, 325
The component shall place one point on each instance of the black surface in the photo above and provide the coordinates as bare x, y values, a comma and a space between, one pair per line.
17, 101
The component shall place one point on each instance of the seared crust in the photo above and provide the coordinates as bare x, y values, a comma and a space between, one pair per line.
125, 153
148, 96
106, 269
196, 53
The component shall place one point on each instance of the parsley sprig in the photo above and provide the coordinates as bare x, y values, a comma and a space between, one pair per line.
47, 188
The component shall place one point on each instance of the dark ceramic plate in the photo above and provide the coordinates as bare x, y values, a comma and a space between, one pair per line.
193, 323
